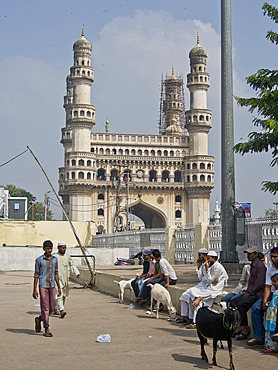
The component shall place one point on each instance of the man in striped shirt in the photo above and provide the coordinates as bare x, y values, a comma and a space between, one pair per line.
46, 273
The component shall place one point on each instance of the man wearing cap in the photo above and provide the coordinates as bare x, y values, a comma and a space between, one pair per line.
261, 305
211, 285
254, 291
65, 264
202, 258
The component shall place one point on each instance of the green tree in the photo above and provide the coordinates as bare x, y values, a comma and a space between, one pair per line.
35, 209
270, 213
265, 103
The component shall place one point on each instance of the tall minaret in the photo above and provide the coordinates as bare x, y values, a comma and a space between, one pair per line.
172, 106
80, 118
200, 175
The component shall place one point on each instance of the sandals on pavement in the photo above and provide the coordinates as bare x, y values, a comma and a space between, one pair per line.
255, 341
191, 326
47, 335
181, 320
241, 336
38, 325
269, 350
63, 314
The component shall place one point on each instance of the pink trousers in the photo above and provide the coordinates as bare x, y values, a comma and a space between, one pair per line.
47, 302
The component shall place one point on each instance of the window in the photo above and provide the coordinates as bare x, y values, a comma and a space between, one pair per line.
165, 176
73, 175
100, 196
16, 206
89, 163
81, 162
101, 175
178, 177
81, 175
178, 214
100, 212
178, 199
89, 176
194, 166
202, 178
202, 166
188, 166
73, 162
152, 176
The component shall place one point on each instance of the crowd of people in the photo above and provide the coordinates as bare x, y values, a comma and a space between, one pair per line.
257, 289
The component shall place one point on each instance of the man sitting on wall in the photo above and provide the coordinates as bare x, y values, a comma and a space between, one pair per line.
210, 286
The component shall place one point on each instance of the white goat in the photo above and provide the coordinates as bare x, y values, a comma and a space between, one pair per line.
124, 284
161, 295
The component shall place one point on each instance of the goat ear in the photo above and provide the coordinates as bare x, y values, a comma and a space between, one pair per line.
227, 320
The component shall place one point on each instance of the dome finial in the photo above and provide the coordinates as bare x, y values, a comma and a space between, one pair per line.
82, 32
173, 71
198, 38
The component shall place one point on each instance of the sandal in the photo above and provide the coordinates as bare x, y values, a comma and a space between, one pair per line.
255, 341
241, 336
48, 335
181, 320
63, 314
269, 350
38, 325
274, 338
191, 326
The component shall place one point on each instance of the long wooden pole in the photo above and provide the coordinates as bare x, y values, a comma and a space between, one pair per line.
83, 249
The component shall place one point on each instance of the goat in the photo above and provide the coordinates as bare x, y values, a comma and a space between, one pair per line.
161, 295
124, 284
217, 326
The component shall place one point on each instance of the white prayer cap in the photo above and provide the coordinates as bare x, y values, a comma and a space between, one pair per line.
212, 254
203, 250
61, 244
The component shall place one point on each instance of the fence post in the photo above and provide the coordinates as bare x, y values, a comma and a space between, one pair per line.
170, 246
201, 239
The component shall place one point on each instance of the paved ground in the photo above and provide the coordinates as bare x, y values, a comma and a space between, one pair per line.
138, 341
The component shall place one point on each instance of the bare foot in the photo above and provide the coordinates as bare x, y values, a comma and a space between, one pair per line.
197, 301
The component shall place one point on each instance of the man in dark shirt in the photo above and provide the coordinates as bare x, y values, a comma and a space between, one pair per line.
136, 282
254, 291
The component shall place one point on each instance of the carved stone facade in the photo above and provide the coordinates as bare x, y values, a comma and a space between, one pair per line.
163, 179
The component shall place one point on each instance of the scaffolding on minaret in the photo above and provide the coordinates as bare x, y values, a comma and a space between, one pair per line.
172, 103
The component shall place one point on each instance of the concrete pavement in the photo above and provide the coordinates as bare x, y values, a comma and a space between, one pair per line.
138, 341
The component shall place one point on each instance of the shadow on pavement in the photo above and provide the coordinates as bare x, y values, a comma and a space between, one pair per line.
37, 313
22, 331
197, 362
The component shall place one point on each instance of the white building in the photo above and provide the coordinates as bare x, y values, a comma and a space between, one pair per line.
164, 179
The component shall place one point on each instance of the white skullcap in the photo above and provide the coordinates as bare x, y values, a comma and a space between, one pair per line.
212, 254
203, 250
60, 244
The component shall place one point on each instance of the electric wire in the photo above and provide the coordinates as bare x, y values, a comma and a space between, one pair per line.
13, 158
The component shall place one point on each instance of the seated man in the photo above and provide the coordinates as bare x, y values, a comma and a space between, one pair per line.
139, 278
165, 276
260, 306
211, 285
254, 291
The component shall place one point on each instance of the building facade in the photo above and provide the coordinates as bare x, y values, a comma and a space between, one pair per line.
164, 179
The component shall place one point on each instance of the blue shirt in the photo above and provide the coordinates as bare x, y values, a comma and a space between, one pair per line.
45, 271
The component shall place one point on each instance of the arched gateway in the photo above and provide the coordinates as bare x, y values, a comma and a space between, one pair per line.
164, 179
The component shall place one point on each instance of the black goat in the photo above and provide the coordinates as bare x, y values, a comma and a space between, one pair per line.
217, 326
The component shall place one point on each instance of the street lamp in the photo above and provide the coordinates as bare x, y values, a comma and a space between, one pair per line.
46, 203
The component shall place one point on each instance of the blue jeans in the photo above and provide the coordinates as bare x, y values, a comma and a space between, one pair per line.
228, 297
258, 318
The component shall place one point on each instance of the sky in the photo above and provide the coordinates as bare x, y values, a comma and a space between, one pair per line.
134, 42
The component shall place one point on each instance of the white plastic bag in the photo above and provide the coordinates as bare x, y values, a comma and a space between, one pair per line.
104, 338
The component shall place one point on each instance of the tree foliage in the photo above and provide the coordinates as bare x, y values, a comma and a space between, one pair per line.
265, 103
35, 209
270, 213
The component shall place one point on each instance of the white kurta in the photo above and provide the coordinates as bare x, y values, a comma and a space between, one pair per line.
205, 289
65, 265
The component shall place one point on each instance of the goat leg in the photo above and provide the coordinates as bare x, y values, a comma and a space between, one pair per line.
151, 305
214, 352
202, 342
157, 308
231, 354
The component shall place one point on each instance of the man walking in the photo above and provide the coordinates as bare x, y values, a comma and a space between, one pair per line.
65, 265
46, 273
